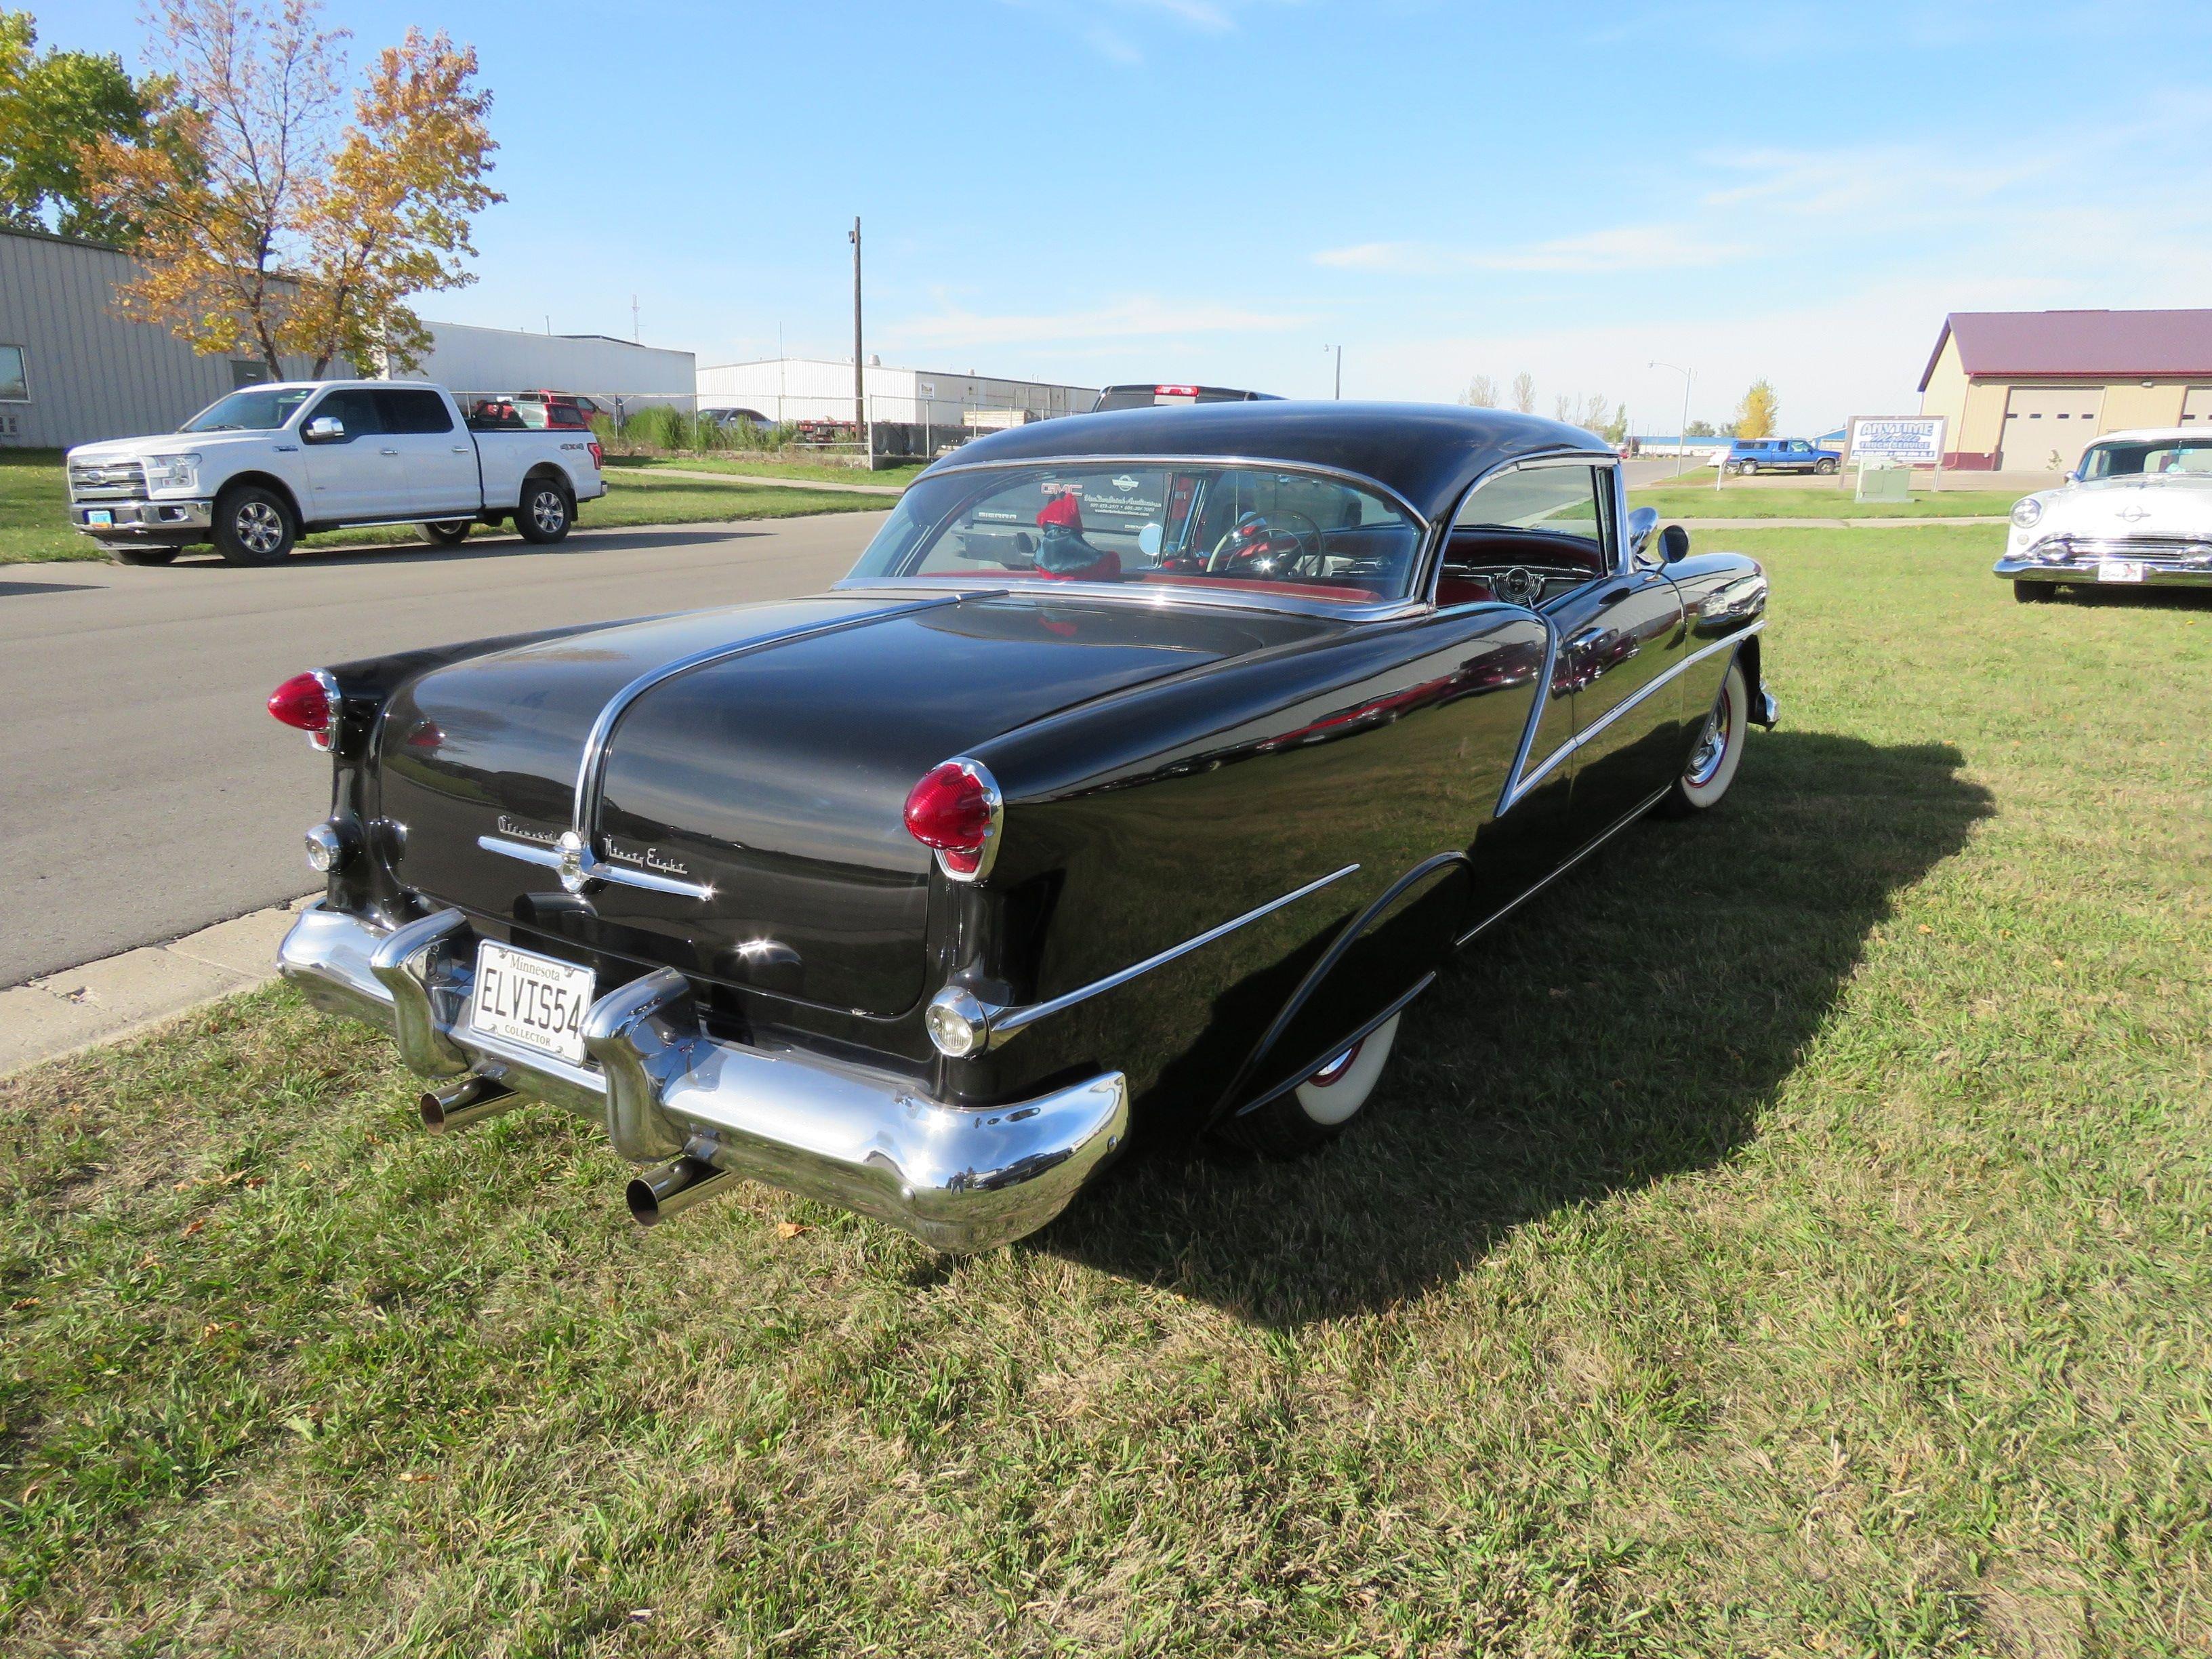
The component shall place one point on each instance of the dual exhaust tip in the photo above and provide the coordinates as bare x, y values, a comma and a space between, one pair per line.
664, 1190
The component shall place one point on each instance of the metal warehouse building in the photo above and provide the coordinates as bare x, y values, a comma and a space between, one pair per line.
813, 388
2026, 391
73, 372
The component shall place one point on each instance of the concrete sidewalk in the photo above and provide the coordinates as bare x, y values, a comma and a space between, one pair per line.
618, 473
1823, 524
59, 1013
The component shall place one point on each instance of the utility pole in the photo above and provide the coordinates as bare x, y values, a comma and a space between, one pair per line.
1339, 350
859, 385
1681, 437
636, 338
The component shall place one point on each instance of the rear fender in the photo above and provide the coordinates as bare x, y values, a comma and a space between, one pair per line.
1386, 955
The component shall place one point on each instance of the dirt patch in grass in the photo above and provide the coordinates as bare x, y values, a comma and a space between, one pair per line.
1792, 1236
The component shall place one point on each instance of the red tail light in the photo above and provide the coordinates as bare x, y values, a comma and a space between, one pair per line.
599, 455
309, 701
954, 810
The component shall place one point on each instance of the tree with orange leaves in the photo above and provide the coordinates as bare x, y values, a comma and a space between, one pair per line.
266, 230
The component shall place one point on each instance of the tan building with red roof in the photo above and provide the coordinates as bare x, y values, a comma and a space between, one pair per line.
2026, 391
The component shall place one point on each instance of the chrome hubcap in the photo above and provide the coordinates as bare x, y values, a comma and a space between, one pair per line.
1712, 743
259, 528
548, 510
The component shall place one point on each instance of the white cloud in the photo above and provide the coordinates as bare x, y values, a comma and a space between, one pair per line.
1625, 248
1142, 317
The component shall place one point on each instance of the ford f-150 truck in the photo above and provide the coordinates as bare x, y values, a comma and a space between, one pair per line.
255, 470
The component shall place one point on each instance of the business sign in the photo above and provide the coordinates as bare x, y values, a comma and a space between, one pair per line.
1896, 440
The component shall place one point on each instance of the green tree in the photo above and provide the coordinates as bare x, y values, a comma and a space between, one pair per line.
1701, 429
53, 106
1757, 415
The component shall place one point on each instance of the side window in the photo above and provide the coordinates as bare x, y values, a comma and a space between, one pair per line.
407, 408
14, 378
1528, 536
354, 406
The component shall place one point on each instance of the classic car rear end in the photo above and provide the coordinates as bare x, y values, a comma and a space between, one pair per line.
1134, 795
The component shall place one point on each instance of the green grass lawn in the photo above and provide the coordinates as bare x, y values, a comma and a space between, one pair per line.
813, 471
1695, 497
34, 524
1790, 1236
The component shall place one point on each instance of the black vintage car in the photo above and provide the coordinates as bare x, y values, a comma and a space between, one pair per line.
1144, 770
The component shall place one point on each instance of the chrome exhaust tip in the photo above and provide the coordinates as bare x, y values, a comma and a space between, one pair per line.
462, 1105
663, 1190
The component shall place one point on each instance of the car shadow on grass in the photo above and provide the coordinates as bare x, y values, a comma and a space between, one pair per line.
1629, 1025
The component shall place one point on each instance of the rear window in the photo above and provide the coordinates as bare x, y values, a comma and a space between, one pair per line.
1240, 528
408, 409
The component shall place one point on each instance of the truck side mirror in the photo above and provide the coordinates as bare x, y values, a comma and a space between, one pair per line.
326, 429
1674, 543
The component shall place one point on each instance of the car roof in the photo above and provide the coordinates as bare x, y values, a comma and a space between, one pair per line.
2154, 434
1428, 453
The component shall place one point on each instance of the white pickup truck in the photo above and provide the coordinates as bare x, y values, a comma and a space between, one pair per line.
256, 469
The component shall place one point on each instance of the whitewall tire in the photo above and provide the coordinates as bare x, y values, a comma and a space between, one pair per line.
1718, 751
1315, 1111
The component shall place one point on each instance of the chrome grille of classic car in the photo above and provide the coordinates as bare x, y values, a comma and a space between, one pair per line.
113, 481
2175, 552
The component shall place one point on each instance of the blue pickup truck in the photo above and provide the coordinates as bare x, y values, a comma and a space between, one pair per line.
1749, 455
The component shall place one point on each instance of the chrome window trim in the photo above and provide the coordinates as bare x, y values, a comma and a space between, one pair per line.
1162, 595
1530, 462
1001, 1022
1522, 783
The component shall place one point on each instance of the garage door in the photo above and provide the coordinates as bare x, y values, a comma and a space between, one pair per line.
2041, 421
2196, 405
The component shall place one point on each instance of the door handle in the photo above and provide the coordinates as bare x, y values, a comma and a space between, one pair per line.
390, 452
1586, 638
460, 449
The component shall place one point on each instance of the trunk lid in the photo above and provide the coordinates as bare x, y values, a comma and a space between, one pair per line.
777, 775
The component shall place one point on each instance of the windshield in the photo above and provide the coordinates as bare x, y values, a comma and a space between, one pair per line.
1247, 529
256, 409
2147, 457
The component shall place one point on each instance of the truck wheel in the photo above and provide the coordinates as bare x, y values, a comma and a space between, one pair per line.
253, 526
449, 533
143, 554
1302, 1119
544, 515
1824, 466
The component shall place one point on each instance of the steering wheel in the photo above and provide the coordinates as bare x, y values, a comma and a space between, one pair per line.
1257, 537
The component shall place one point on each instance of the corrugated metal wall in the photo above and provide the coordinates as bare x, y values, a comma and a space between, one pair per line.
466, 358
809, 389
91, 374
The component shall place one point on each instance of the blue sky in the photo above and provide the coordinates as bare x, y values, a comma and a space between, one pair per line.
1217, 188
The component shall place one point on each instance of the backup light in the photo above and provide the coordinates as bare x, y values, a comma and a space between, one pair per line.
309, 701
955, 812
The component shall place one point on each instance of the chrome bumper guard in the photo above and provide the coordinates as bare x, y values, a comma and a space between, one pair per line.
2154, 573
142, 518
958, 1178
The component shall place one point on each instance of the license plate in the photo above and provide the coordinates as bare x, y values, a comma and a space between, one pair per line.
2119, 570
531, 1000
100, 515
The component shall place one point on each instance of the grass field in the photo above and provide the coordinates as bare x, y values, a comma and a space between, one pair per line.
1791, 1237
812, 472
34, 524
1695, 497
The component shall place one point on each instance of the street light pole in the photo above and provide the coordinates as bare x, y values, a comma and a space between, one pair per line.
859, 386
1682, 438
1339, 350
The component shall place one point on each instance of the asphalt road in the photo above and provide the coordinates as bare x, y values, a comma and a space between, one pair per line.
144, 792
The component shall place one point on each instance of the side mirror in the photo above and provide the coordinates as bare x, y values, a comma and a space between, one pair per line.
1641, 523
326, 429
1674, 543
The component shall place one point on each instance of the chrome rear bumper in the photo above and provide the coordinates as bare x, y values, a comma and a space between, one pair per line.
957, 1178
